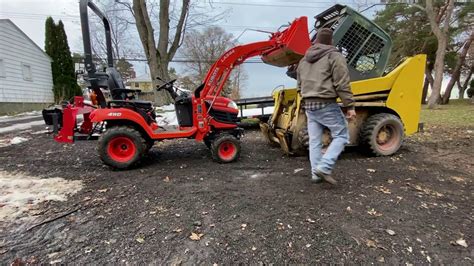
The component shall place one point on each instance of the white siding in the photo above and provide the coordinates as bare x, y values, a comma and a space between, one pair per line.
16, 51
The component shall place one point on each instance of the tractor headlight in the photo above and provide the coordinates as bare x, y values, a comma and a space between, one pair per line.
233, 105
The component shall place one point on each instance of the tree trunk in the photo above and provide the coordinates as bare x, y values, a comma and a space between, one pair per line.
442, 37
457, 69
160, 53
426, 85
463, 87
439, 71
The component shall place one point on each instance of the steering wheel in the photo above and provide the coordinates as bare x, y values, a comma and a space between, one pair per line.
164, 86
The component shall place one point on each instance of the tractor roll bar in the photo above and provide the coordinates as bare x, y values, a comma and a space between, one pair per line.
88, 60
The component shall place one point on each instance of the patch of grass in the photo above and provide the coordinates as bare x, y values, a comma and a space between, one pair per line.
458, 113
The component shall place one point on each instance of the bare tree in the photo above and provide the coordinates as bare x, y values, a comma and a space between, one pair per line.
161, 39
121, 35
202, 49
440, 20
159, 54
455, 75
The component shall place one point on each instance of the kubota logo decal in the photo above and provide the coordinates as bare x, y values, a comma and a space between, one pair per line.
115, 114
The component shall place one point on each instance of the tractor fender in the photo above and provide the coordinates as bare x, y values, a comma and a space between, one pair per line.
125, 115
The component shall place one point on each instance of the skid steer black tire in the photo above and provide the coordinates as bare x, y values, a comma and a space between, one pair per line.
121, 147
382, 134
225, 148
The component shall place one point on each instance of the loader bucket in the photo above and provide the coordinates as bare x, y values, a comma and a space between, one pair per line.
293, 43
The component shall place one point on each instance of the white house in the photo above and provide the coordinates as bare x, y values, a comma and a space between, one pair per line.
26, 81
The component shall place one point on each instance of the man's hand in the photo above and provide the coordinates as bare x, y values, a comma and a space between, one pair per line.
350, 114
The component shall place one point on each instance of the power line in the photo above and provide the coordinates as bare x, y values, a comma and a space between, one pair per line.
274, 5
184, 60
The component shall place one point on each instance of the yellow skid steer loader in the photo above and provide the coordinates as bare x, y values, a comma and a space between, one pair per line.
387, 103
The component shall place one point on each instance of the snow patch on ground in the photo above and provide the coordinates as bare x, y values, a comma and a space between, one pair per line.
20, 193
21, 126
13, 141
166, 115
21, 116
18, 140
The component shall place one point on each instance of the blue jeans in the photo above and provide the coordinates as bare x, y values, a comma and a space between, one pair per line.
330, 116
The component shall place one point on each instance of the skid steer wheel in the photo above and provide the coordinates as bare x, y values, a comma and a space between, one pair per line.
382, 134
225, 148
121, 147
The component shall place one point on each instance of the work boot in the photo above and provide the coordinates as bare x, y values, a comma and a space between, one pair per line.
326, 177
316, 179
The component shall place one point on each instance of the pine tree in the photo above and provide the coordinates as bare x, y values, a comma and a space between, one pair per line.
62, 66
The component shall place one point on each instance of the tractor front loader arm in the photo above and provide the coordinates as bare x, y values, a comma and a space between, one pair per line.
282, 49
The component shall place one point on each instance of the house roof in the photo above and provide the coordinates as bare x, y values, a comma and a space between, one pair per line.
26, 36
141, 78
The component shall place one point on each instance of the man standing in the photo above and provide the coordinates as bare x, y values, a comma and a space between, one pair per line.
323, 76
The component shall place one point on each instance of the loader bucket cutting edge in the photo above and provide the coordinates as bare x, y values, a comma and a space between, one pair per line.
294, 41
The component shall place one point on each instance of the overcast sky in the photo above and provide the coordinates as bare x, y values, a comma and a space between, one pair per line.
30, 16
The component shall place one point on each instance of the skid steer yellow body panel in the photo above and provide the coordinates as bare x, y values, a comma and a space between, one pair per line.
397, 92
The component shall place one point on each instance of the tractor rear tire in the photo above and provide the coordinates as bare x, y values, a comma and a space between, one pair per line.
382, 134
225, 148
121, 147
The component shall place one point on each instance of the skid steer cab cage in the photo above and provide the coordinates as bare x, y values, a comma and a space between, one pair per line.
206, 106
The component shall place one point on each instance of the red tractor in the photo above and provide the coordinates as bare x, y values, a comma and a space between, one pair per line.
126, 128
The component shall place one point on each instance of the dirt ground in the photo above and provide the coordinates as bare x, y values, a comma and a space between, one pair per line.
412, 208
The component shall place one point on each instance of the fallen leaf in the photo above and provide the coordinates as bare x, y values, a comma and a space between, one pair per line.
140, 240
461, 242
412, 168
178, 230
348, 208
390, 181
167, 179
374, 213
195, 236
458, 179
381, 259
383, 189
399, 199
308, 245
370, 243
371, 170
298, 170
102, 190
390, 232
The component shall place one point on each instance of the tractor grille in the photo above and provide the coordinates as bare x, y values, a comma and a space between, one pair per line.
361, 48
224, 117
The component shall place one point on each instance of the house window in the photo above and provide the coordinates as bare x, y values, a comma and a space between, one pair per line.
27, 75
2, 69
137, 85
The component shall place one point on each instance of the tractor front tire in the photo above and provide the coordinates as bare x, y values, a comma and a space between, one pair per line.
121, 147
382, 134
225, 148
